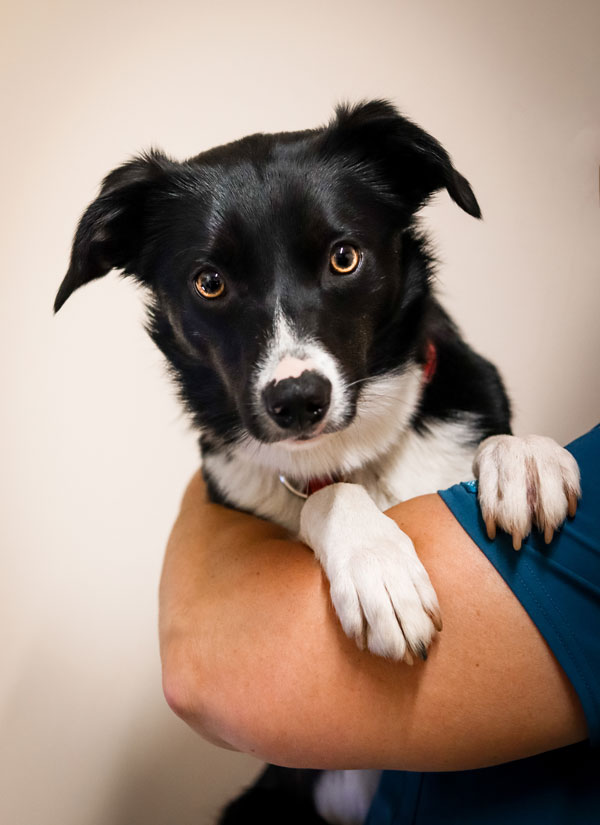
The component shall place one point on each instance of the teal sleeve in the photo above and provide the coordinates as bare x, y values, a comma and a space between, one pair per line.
557, 584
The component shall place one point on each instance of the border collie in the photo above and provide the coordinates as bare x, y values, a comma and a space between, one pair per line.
290, 290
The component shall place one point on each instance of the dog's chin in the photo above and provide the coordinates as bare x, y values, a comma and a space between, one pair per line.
302, 441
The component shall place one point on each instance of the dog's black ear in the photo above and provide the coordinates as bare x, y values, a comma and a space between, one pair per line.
111, 230
411, 160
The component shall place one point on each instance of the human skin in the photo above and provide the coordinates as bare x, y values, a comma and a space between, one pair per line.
254, 657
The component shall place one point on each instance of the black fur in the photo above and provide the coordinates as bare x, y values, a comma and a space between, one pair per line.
278, 796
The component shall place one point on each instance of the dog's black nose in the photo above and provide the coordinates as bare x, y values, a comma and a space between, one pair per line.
298, 403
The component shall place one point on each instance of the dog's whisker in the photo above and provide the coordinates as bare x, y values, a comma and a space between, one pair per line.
376, 375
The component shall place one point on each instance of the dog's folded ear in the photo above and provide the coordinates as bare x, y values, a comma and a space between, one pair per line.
111, 231
411, 161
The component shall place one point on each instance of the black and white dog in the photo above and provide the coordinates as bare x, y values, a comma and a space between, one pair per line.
290, 291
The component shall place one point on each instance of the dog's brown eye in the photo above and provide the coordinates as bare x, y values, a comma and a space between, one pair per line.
210, 284
344, 259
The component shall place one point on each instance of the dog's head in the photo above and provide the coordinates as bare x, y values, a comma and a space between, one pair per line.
279, 266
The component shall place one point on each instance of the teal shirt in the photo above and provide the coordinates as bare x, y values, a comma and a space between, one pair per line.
559, 587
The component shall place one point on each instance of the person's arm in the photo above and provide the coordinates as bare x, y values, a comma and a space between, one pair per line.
254, 657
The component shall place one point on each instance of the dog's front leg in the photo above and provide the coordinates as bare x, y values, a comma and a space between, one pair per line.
379, 588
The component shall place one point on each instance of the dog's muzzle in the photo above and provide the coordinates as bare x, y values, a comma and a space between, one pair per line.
298, 404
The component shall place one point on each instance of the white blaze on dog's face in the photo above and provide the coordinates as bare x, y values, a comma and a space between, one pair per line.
299, 388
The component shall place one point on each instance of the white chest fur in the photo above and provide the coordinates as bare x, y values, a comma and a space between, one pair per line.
422, 463
416, 464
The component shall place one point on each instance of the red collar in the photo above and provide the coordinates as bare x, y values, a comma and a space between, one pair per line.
316, 484
310, 487
430, 362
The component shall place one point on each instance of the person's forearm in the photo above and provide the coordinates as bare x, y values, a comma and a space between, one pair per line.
226, 580
254, 657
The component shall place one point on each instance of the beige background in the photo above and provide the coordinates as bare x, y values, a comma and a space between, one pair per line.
95, 452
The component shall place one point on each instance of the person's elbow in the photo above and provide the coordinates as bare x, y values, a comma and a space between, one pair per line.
201, 693
189, 690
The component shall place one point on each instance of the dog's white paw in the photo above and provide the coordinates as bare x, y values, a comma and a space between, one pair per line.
383, 596
524, 481
379, 588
